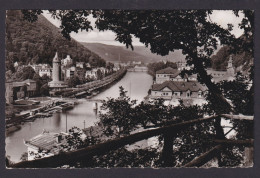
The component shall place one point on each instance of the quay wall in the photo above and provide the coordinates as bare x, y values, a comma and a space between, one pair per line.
90, 86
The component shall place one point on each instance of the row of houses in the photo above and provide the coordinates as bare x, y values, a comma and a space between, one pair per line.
170, 74
169, 84
178, 90
69, 70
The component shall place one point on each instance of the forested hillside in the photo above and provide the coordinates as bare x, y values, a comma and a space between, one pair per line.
242, 61
37, 42
111, 53
140, 53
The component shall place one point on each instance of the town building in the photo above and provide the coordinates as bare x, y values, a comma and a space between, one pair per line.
9, 92
19, 90
38, 67
102, 69
56, 84
45, 71
91, 74
170, 74
80, 65
67, 61
31, 87
136, 62
181, 65
88, 65
70, 72
178, 90
228, 74
49, 143
116, 69
16, 64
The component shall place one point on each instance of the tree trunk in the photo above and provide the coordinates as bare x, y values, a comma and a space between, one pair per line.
167, 152
219, 135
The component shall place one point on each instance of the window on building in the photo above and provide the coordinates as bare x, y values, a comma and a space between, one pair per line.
188, 94
200, 94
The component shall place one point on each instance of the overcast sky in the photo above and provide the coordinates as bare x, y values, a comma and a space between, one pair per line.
108, 37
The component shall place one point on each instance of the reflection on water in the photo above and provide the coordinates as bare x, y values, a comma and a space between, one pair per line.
136, 83
57, 120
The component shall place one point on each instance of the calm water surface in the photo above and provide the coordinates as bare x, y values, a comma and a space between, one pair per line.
136, 83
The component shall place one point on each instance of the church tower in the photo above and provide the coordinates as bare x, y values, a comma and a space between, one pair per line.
56, 84
230, 68
56, 71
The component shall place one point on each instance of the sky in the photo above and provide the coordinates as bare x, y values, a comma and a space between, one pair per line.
221, 17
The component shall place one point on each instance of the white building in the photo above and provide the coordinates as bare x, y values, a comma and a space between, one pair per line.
45, 71
88, 65
102, 69
80, 65
16, 64
49, 144
116, 68
67, 61
92, 74
178, 90
70, 72
42, 69
228, 74
170, 74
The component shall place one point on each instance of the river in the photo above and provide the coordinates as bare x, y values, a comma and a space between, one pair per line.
136, 83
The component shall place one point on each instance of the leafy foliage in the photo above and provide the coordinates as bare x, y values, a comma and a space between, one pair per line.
241, 60
153, 67
73, 81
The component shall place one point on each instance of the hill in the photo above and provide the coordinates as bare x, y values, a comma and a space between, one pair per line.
241, 61
37, 42
140, 53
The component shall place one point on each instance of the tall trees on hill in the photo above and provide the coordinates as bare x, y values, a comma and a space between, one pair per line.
37, 42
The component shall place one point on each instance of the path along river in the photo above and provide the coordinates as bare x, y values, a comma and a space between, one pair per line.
136, 83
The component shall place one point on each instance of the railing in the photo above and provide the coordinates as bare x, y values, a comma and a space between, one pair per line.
170, 130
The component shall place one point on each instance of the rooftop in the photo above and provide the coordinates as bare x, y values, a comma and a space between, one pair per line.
179, 86
47, 141
167, 70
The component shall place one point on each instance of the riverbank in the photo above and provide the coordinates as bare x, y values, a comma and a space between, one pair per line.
82, 115
43, 110
86, 89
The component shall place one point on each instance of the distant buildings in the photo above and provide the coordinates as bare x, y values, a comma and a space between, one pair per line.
67, 61
228, 74
170, 74
70, 72
91, 74
170, 85
42, 69
80, 65
45, 71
